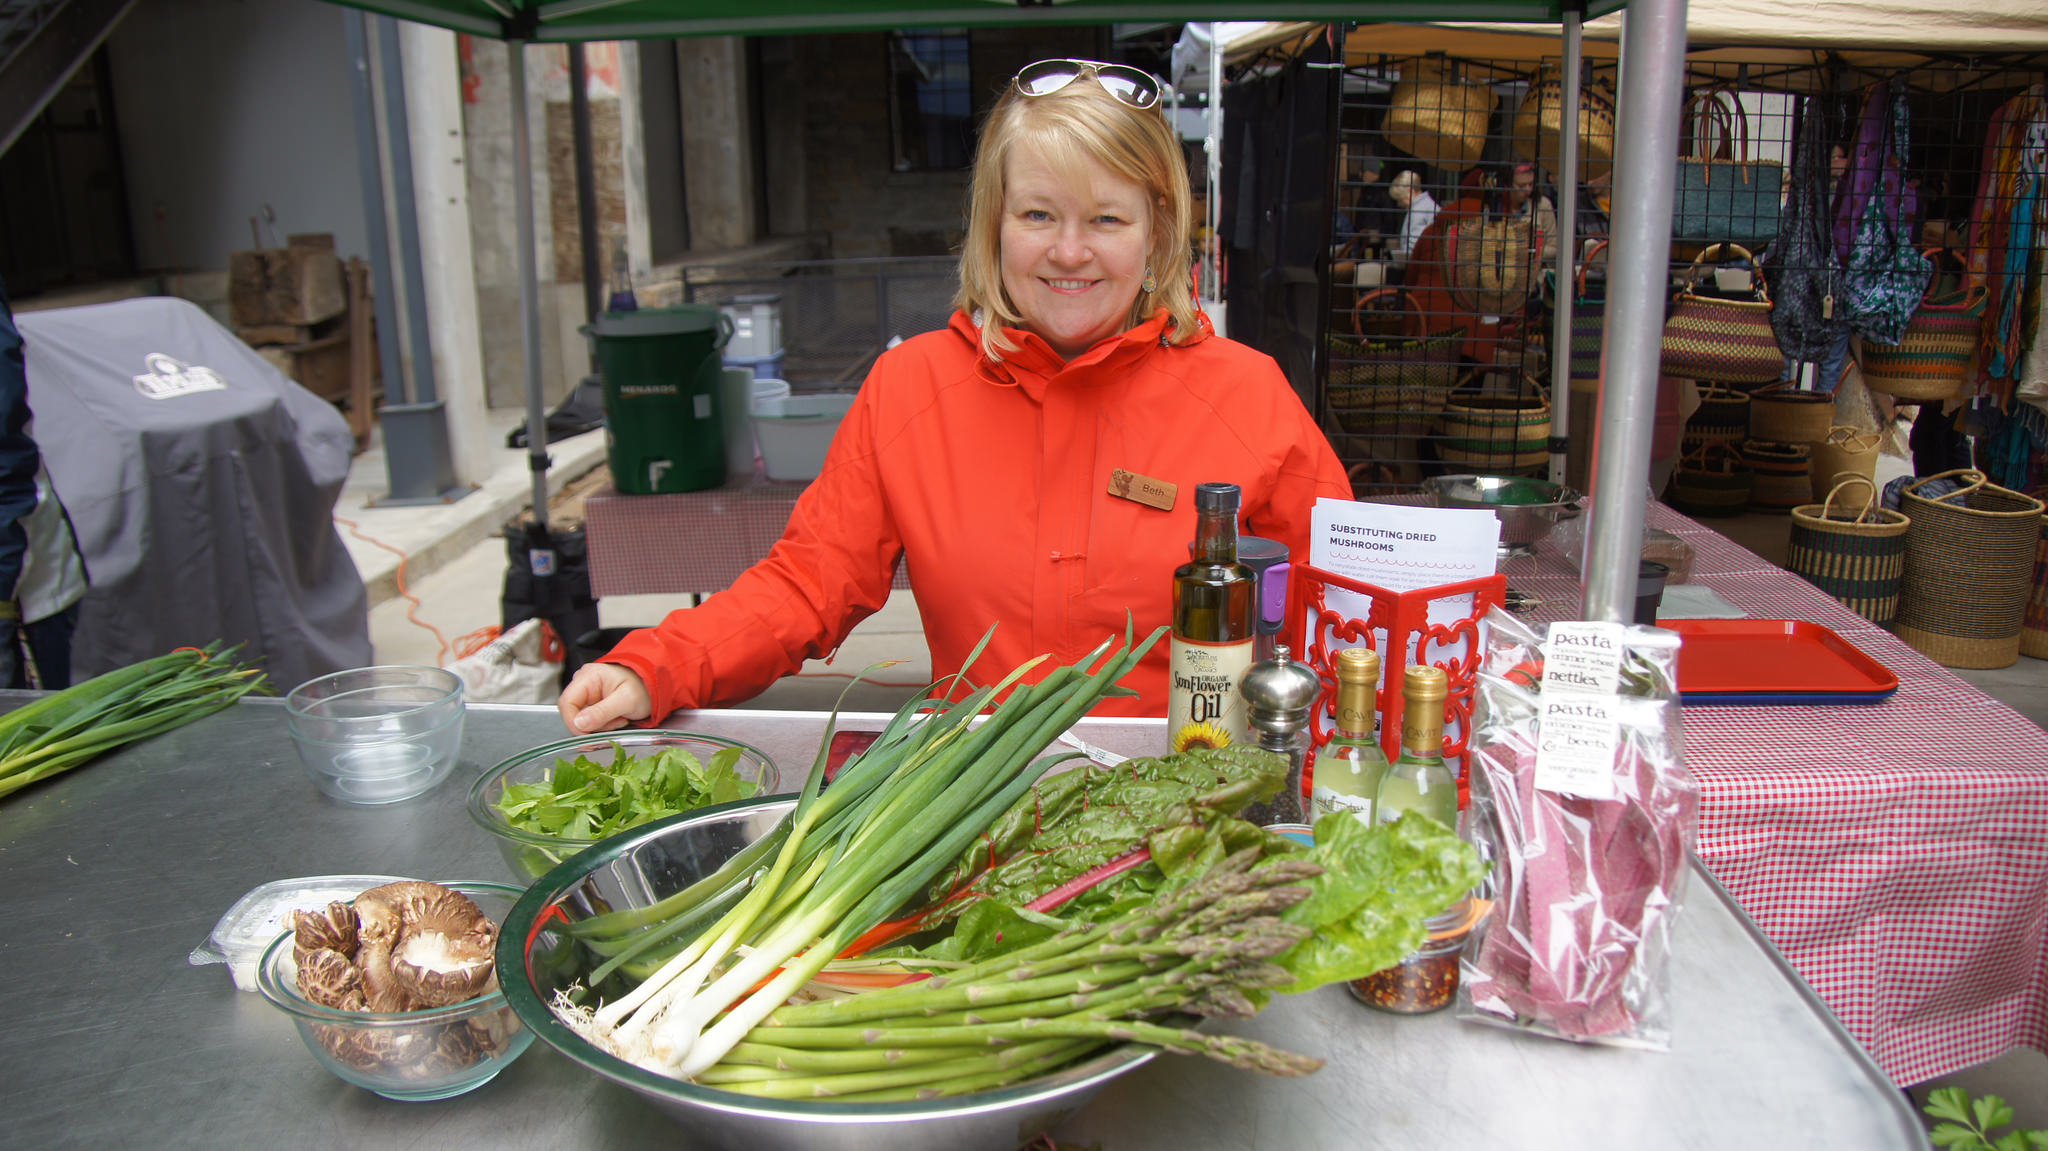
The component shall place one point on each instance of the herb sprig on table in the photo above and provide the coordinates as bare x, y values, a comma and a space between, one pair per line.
584, 799
1966, 1123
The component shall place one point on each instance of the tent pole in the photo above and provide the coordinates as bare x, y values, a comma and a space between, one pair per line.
529, 298
1652, 88
1567, 174
370, 169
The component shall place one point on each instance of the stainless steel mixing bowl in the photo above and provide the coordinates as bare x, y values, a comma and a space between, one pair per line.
1527, 508
643, 866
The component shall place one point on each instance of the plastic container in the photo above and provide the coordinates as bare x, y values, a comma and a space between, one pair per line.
734, 398
432, 1053
1650, 577
261, 915
377, 734
756, 325
795, 430
662, 376
768, 367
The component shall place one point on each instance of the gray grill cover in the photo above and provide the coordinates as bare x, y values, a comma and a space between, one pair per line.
201, 482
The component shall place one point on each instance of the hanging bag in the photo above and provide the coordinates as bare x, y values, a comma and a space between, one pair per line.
1438, 118
1493, 262
1727, 341
1884, 275
1722, 194
1969, 572
1856, 555
1589, 326
1806, 273
1539, 122
1930, 359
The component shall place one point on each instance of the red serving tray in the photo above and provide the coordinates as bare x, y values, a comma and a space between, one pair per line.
1774, 661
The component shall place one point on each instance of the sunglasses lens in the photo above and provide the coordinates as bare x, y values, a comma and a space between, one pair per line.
1047, 77
1129, 85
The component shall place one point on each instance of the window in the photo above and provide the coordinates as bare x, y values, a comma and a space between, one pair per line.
931, 105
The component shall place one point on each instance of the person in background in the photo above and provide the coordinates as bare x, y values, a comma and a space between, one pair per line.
1522, 201
1418, 209
41, 576
1034, 462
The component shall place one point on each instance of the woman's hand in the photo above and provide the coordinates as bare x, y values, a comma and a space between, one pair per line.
603, 696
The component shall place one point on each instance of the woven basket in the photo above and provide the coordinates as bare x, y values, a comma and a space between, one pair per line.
1782, 475
1970, 558
1721, 418
2034, 628
1438, 118
1491, 264
1711, 480
1929, 361
1782, 413
1539, 122
1845, 451
1390, 386
1856, 555
1495, 431
1723, 340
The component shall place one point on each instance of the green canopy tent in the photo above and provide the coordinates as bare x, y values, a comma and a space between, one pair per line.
1650, 96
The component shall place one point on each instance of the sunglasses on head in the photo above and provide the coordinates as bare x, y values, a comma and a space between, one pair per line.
1134, 87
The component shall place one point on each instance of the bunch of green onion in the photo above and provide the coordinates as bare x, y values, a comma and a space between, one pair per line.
842, 861
67, 728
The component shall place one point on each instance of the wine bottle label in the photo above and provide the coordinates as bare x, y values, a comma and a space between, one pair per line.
1328, 802
1203, 708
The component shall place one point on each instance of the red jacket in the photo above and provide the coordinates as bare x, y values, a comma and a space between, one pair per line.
993, 480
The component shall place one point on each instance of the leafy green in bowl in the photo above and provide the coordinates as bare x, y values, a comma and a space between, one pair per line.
550, 802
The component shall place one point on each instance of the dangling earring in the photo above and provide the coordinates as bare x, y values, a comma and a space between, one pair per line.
1150, 285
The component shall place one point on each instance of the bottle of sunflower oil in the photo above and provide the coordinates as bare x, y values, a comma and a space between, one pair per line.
1214, 618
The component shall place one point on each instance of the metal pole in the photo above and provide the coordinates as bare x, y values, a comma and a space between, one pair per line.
529, 296
1212, 145
586, 186
399, 132
1652, 88
370, 169
1561, 397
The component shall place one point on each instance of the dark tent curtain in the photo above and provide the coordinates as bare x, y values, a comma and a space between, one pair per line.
1277, 146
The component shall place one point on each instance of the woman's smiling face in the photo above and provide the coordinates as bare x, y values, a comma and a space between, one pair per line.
1074, 247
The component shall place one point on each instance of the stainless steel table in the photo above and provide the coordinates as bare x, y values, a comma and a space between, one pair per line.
114, 872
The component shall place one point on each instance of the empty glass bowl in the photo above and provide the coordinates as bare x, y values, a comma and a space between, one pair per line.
432, 1053
377, 734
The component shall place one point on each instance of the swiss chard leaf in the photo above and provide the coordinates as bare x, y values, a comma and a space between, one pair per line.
584, 799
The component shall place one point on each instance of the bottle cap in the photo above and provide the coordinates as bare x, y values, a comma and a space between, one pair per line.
1358, 664
1422, 681
1217, 497
1279, 693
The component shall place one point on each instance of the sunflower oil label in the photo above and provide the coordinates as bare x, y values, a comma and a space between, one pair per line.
1203, 708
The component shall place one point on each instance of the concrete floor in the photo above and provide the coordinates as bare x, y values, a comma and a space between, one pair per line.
455, 567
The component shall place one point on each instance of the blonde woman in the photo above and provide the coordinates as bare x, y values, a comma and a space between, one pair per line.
1033, 463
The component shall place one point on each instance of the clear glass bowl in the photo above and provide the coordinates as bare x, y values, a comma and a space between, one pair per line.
531, 855
377, 734
433, 1053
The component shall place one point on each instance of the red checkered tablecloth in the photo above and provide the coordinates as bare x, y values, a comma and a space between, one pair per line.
685, 542
1897, 853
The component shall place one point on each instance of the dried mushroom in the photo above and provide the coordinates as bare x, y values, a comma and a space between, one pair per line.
401, 947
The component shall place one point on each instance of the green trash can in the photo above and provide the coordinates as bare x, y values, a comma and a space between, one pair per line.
661, 369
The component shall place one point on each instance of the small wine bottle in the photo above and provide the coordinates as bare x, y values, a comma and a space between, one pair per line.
1214, 617
1419, 780
1349, 768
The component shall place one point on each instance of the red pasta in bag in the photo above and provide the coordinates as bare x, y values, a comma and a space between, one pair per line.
1584, 889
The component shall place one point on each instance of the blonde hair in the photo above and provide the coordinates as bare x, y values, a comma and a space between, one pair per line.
1079, 122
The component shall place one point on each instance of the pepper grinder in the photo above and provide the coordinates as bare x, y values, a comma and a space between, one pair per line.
1279, 693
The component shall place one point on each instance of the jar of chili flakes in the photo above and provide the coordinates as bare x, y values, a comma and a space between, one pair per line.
1424, 981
